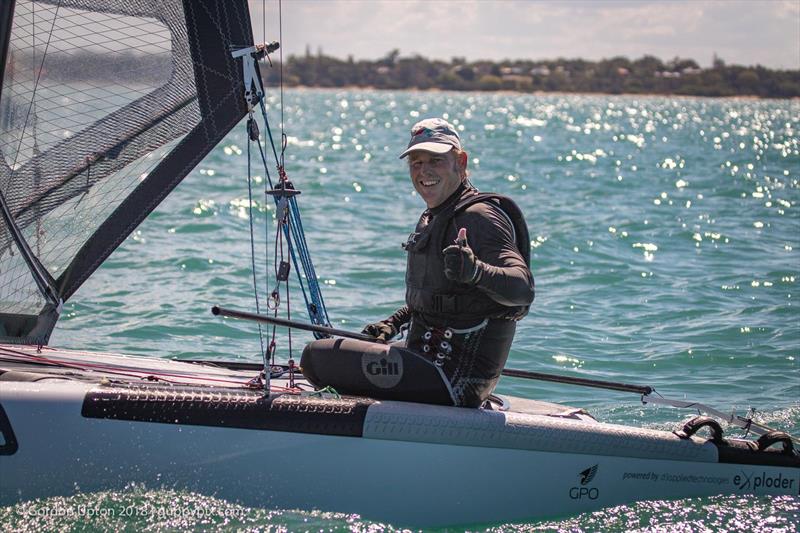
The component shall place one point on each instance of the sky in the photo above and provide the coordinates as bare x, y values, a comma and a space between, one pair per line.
742, 32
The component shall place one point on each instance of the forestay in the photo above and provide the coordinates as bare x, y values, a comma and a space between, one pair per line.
105, 106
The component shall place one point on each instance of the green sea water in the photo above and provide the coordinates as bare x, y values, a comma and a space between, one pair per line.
666, 251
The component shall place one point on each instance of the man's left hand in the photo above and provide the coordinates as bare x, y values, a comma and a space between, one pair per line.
461, 265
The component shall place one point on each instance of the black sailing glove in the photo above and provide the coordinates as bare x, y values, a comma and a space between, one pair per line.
382, 331
460, 263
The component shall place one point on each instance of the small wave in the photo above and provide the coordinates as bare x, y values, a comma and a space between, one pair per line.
718, 513
139, 509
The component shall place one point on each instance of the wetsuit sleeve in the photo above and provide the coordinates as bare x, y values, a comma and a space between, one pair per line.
506, 278
400, 317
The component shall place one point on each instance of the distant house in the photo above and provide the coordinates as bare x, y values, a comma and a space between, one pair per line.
622, 71
540, 71
517, 78
509, 71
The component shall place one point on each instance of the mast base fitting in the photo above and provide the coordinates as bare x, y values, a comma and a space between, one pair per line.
267, 48
282, 192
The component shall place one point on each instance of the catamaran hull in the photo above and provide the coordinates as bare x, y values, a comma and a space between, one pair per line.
391, 472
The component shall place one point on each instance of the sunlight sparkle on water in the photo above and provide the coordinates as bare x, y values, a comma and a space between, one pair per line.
566, 359
204, 208
719, 513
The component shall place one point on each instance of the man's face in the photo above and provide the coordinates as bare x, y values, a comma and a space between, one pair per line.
435, 176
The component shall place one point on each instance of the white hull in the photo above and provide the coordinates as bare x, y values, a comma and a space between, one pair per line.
412, 465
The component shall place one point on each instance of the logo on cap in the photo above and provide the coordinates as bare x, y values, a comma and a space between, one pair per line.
434, 135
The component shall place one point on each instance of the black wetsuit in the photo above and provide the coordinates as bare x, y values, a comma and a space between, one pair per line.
459, 335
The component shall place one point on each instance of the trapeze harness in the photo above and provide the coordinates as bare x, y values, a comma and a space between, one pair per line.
459, 336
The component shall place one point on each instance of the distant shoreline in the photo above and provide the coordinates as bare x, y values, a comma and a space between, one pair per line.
647, 75
517, 93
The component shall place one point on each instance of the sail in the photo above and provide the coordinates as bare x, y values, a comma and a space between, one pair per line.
105, 106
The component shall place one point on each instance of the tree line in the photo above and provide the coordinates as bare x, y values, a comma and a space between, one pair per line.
618, 75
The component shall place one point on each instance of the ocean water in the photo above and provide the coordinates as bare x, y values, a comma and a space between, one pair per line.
666, 252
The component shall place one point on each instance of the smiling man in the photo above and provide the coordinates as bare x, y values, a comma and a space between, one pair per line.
468, 282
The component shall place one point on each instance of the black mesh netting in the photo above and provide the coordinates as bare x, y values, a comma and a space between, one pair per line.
18, 291
96, 94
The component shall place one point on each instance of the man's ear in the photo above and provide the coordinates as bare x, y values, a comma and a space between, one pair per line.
461, 163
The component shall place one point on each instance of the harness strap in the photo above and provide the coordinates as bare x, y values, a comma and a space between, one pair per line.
512, 212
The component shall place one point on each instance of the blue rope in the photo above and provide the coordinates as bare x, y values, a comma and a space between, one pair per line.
308, 268
317, 311
289, 238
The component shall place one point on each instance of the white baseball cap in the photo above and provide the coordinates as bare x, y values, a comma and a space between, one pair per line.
433, 135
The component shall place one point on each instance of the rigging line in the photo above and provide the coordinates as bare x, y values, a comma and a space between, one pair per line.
308, 267
288, 317
266, 166
263, 106
271, 294
38, 76
305, 259
311, 275
289, 247
280, 57
278, 241
269, 132
277, 290
300, 238
253, 245
321, 314
267, 219
267, 186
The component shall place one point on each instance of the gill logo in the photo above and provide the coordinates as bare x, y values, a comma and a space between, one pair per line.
383, 368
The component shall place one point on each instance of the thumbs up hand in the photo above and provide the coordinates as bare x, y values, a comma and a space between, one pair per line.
460, 263
461, 240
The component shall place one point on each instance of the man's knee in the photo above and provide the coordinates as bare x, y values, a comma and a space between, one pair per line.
315, 354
